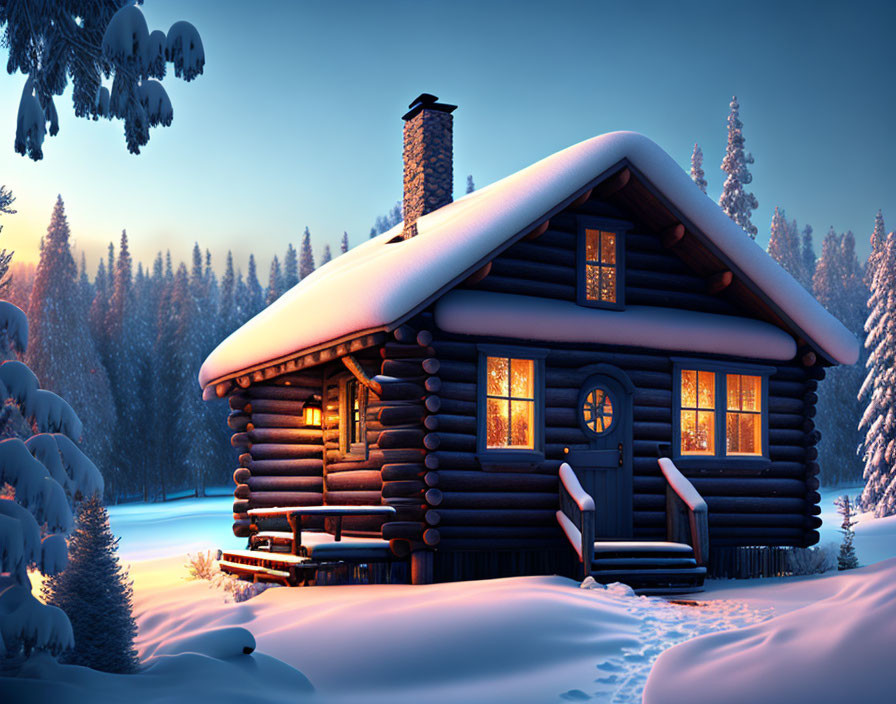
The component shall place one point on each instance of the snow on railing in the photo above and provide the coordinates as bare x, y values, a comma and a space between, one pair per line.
686, 511
681, 486
572, 485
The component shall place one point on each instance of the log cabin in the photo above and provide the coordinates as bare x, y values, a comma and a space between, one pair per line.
583, 368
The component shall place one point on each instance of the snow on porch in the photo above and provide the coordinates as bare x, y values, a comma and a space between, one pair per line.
529, 318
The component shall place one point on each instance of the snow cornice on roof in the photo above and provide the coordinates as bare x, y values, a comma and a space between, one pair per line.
382, 280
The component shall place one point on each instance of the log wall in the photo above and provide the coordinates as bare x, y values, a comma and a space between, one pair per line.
281, 460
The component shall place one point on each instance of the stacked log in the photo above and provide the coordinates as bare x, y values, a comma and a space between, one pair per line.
408, 376
282, 459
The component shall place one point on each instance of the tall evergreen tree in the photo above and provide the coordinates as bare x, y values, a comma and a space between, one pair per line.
697, 167
60, 350
6, 201
879, 389
878, 239
470, 185
95, 593
227, 311
241, 296
784, 244
735, 200
386, 222
326, 256
344, 246
275, 282
255, 297
847, 559
807, 255
99, 307
306, 262
290, 268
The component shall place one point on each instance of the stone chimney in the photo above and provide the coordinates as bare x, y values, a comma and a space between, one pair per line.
428, 159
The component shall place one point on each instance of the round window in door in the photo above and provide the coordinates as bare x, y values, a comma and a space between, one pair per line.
597, 410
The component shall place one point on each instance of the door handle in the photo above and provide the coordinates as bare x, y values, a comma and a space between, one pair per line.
620, 455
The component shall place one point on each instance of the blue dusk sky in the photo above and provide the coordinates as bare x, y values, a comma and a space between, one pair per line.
296, 120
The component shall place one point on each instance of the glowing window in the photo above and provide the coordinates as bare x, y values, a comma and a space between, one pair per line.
698, 418
600, 266
510, 403
743, 417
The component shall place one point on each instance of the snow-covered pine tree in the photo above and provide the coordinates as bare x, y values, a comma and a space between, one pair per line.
227, 313
143, 423
697, 167
275, 282
99, 307
255, 297
44, 473
846, 559
240, 297
837, 285
326, 256
470, 185
6, 201
807, 256
879, 389
878, 238
290, 268
95, 593
344, 246
306, 261
735, 200
84, 42
784, 243
386, 222
61, 352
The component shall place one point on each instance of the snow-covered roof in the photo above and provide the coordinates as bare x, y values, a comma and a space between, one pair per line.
526, 317
377, 283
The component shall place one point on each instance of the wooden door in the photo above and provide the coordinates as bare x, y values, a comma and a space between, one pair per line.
604, 469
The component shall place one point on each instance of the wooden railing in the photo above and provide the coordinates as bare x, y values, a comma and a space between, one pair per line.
576, 517
686, 513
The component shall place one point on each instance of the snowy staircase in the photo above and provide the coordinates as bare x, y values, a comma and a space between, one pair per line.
673, 566
648, 567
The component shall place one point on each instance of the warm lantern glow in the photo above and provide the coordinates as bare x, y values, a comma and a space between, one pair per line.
311, 412
510, 403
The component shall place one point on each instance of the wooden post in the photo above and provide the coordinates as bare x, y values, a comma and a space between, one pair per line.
421, 567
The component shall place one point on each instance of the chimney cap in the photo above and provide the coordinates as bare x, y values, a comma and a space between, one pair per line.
426, 101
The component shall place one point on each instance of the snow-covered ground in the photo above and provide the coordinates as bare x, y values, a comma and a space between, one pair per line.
532, 639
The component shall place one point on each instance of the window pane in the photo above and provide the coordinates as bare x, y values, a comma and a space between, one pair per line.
522, 382
591, 245
688, 388
608, 247
732, 381
732, 433
497, 422
706, 432
597, 410
706, 384
522, 424
592, 283
608, 284
688, 432
497, 376
751, 393
751, 433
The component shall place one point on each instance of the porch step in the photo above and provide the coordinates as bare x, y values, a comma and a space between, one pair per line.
649, 567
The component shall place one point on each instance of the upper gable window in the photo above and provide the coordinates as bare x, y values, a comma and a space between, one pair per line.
601, 273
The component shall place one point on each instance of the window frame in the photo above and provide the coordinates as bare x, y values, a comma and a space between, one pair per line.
618, 227
719, 458
357, 451
498, 459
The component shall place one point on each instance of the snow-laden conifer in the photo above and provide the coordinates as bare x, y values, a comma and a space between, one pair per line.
326, 256
306, 260
878, 238
290, 268
470, 185
95, 593
343, 248
879, 389
275, 282
736, 201
784, 243
255, 297
227, 307
697, 167
807, 257
846, 559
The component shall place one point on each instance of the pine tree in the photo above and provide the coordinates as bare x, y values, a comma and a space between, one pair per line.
275, 282
386, 222
878, 238
227, 309
255, 297
697, 167
807, 255
470, 185
847, 559
290, 268
83, 42
344, 246
84, 287
95, 593
99, 307
879, 388
326, 256
61, 351
737, 202
784, 243
306, 262
6, 201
